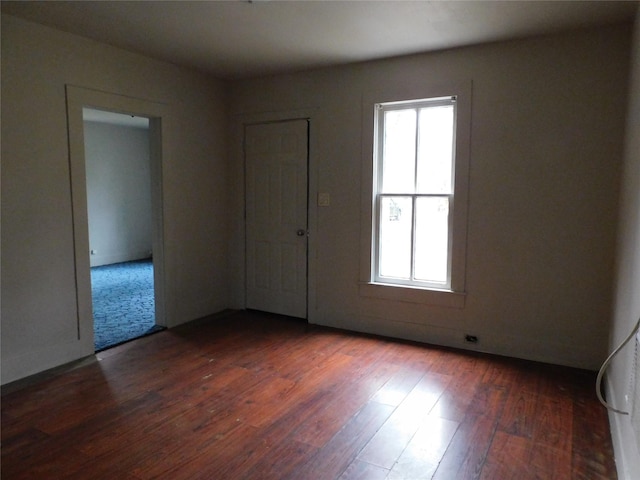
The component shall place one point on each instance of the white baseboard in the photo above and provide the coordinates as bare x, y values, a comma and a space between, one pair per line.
99, 260
624, 442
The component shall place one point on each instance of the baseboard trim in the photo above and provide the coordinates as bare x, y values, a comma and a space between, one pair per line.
46, 375
623, 439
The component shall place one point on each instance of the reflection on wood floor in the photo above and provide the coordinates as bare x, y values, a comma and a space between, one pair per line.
250, 395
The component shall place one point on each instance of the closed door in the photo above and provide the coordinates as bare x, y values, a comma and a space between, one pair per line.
276, 156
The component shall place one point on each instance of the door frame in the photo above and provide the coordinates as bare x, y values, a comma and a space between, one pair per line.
78, 98
308, 120
239, 234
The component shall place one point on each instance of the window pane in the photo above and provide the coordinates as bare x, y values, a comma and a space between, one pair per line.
432, 237
395, 237
435, 152
399, 151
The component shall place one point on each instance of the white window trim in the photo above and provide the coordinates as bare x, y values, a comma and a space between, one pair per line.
454, 295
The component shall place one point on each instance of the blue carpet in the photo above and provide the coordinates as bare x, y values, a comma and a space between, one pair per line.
123, 302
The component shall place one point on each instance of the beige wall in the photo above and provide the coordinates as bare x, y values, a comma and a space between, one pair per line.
627, 288
118, 173
39, 315
546, 148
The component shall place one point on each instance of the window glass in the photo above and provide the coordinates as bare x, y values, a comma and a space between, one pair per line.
435, 151
396, 219
432, 239
399, 151
415, 192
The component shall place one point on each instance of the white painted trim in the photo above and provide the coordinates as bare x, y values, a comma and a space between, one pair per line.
412, 294
463, 91
237, 151
100, 260
450, 334
77, 99
623, 439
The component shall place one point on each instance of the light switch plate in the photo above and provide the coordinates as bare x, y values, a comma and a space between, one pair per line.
324, 199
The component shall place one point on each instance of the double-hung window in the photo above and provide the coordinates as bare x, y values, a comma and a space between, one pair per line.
414, 195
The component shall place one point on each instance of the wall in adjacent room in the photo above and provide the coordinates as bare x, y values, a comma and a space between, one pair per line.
623, 374
547, 124
39, 311
118, 192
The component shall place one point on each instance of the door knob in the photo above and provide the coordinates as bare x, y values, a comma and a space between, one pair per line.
301, 232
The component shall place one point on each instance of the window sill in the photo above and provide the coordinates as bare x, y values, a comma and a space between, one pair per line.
403, 293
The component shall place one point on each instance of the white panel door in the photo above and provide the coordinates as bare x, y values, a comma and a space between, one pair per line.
276, 217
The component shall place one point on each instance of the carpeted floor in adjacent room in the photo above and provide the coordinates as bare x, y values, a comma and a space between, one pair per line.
123, 302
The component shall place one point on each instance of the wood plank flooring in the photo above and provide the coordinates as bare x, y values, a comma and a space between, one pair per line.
257, 396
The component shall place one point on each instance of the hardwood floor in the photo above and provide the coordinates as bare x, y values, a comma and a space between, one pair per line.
258, 396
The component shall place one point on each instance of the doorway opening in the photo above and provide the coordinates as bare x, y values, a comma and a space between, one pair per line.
116, 144
119, 209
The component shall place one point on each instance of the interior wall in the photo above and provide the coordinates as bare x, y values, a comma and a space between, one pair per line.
547, 125
39, 310
626, 312
118, 192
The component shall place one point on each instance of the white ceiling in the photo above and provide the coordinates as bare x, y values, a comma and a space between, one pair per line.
236, 39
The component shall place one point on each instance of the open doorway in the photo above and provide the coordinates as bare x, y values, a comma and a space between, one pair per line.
153, 117
119, 209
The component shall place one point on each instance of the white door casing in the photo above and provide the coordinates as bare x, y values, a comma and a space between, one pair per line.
77, 99
276, 162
